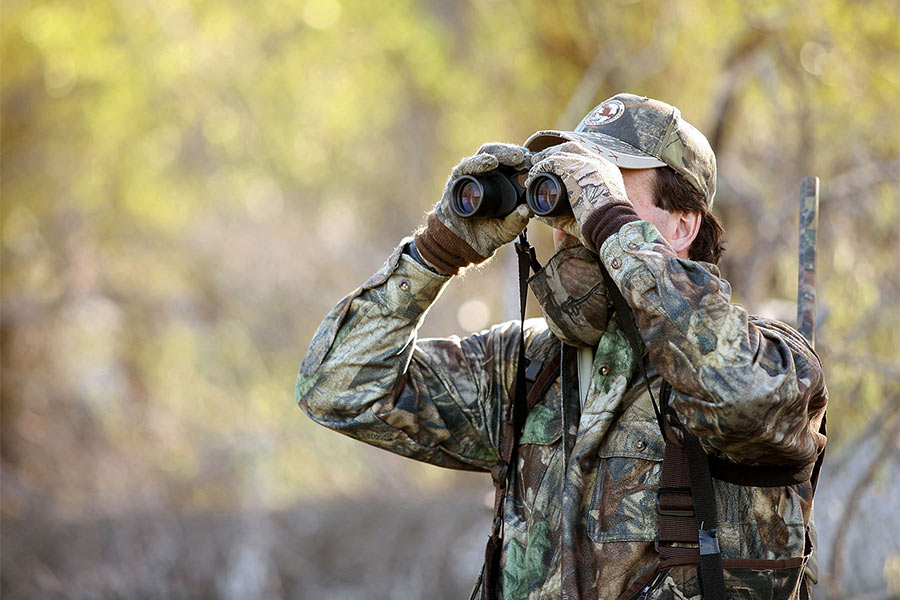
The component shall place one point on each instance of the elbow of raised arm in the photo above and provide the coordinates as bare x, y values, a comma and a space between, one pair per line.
338, 401
758, 415
319, 404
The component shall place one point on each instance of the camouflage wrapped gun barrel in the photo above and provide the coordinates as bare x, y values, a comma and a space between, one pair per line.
806, 285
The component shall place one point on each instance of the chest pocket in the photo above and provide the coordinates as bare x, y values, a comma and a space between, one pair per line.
539, 448
623, 502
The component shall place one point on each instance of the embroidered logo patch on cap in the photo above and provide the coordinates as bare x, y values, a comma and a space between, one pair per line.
607, 112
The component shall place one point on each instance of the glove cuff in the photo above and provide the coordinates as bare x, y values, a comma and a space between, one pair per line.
444, 250
606, 221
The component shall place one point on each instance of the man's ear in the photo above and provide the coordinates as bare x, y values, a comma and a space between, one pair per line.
686, 228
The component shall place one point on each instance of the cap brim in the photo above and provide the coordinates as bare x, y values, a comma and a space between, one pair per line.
622, 154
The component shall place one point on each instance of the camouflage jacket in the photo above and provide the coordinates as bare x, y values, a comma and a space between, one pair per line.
751, 389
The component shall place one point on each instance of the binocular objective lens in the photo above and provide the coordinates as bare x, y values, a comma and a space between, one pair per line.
546, 195
469, 197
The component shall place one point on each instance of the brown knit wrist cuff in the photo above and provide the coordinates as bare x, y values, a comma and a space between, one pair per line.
443, 249
606, 221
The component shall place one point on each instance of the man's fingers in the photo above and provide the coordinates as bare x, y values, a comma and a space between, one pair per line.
506, 154
517, 219
474, 165
566, 224
491, 156
560, 164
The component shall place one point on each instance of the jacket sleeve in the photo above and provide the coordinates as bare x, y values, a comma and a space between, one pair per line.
749, 388
367, 375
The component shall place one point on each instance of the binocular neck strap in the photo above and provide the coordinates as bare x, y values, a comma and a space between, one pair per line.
527, 261
625, 318
511, 428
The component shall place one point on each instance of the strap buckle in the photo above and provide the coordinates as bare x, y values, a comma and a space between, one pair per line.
709, 542
525, 250
673, 512
533, 370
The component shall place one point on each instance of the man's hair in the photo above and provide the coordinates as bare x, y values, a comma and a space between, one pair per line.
673, 192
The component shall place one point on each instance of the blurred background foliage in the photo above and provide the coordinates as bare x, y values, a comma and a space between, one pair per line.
189, 186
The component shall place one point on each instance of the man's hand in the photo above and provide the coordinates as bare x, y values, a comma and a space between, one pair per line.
450, 242
591, 181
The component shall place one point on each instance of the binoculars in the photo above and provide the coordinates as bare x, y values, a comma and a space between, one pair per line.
497, 193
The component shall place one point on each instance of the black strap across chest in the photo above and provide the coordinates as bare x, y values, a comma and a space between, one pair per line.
510, 426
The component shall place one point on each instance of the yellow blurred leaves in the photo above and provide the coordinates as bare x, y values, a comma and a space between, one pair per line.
321, 14
222, 173
223, 128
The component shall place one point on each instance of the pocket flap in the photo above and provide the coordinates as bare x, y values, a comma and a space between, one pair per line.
634, 439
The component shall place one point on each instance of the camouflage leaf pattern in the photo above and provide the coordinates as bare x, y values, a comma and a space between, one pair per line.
747, 386
584, 528
486, 235
659, 130
682, 583
572, 296
806, 274
591, 181
645, 127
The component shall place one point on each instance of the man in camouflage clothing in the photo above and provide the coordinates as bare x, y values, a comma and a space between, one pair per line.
580, 519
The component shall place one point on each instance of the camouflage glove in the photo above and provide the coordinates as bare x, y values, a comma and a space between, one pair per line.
450, 243
595, 187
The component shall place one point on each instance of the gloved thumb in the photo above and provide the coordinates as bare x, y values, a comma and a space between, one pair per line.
513, 223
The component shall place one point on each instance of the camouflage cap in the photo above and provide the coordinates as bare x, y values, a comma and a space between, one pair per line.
635, 132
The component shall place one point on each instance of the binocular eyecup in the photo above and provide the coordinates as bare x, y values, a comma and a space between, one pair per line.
496, 194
